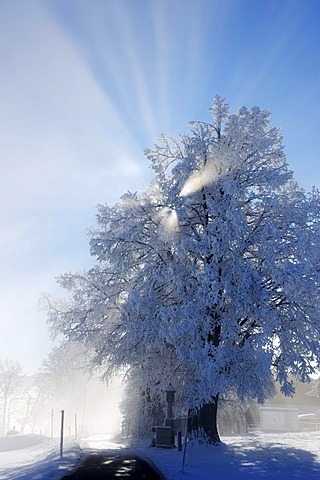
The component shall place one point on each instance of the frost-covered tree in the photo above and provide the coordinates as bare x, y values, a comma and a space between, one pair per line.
64, 378
210, 278
34, 406
10, 382
315, 388
232, 414
62, 371
141, 408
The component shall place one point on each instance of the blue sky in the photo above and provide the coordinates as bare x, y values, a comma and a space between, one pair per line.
86, 85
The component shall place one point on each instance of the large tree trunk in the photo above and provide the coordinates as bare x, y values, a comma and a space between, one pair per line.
203, 424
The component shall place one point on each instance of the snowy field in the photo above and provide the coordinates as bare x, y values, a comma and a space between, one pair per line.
37, 462
256, 456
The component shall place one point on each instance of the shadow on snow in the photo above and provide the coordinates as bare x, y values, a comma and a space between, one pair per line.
243, 462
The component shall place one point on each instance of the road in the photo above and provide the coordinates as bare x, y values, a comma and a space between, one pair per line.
106, 467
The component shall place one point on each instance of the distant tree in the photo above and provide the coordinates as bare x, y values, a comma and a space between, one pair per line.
142, 405
64, 378
232, 414
62, 371
211, 277
35, 403
10, 381
315, 388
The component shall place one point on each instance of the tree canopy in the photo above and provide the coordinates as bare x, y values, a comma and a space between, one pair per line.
209, 278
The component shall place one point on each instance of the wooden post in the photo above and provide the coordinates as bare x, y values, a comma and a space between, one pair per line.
179, 440
75, 426
61, 433
52, 423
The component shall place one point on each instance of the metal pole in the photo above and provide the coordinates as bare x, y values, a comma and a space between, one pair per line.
61, 433
185, 442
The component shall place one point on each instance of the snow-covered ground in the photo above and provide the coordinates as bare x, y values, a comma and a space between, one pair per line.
260, 456
40, 461
256, 456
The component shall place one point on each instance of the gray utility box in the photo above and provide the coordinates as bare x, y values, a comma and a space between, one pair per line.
164, 437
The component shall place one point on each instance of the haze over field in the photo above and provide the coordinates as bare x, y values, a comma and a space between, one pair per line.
87, 85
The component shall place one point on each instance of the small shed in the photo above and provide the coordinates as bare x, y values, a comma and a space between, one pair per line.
279, 419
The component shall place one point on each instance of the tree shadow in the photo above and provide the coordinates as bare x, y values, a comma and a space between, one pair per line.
272, 461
